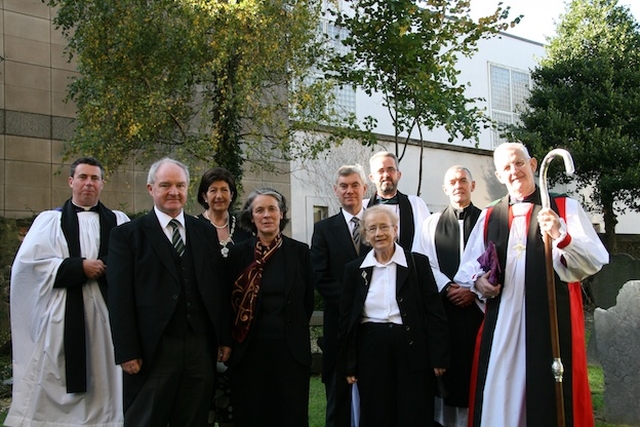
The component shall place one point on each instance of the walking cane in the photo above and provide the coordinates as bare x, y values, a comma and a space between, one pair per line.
556, 366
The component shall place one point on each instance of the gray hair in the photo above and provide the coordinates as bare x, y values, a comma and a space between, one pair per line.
376, 209
384, 154
246, 212
153, 170
458, 168
511, 145
346, 170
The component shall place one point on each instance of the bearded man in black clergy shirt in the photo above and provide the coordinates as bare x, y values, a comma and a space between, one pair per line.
412, 210
443, 238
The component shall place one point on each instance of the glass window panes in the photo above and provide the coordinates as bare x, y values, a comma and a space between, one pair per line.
508, 92
500, 89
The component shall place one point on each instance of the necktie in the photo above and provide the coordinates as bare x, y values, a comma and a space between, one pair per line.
176, 238
355, 233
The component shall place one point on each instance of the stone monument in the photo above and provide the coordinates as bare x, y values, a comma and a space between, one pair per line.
618, 339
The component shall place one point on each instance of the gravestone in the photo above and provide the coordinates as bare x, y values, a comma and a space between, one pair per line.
618, 337
607, 282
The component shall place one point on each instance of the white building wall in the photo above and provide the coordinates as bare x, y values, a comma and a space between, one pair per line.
311, 182
505, 50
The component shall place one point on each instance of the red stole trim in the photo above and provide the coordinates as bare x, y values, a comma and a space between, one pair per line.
582, 409
582, 405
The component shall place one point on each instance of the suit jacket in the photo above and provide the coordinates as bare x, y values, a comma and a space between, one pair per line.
298, 286
146, 285
331, 249
423, 318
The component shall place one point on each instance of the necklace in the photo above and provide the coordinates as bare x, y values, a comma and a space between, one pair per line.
224, 250
206, 215
519, 225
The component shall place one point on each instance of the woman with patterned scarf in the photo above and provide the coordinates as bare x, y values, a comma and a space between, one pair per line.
272, 301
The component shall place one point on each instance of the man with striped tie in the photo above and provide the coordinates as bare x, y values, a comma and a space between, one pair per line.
336, 241
169, 308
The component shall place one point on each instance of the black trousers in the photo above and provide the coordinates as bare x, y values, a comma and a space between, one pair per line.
269, 387
391, 394
178, 389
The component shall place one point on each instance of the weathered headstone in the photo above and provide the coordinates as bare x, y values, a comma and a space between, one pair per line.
618, 336
608, 281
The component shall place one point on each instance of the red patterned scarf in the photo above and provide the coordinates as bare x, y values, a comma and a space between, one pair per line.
246, 287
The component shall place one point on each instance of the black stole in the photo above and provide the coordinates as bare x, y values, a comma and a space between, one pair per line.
71, 276
463, 321
540, 388
407, 228
447, 237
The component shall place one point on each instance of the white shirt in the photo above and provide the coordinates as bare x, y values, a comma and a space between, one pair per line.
164, 220
347, 217
380, 305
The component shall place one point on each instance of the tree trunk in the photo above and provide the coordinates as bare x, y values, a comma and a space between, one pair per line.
610, 221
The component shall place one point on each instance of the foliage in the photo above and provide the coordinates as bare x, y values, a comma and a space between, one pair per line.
586, 99
407, 51
218, 81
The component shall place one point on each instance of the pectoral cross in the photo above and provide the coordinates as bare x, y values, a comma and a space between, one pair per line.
519, 248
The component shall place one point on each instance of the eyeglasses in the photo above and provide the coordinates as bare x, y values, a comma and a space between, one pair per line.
383, 228
389, 170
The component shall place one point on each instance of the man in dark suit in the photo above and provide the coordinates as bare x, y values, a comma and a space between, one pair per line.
169, 309
332, 246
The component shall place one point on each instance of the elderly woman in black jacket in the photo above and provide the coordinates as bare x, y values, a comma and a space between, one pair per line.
393, 330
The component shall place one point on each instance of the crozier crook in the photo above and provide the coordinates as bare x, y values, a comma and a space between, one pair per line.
556, 366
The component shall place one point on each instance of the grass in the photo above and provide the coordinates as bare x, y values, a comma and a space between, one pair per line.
317, 400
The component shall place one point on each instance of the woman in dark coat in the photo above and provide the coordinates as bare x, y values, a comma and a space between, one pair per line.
393, 335
217, 194
272, 302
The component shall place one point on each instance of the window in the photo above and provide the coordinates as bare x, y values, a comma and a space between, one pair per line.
320, 213
508, 89
345, 96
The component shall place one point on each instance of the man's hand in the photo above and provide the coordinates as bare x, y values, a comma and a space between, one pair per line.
485, 287
352, 379
93, 268
460, 296
224, 353
132, 367
549, 223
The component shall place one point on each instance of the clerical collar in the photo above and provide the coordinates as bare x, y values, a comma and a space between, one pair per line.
82, 209
382, 201
529, 199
